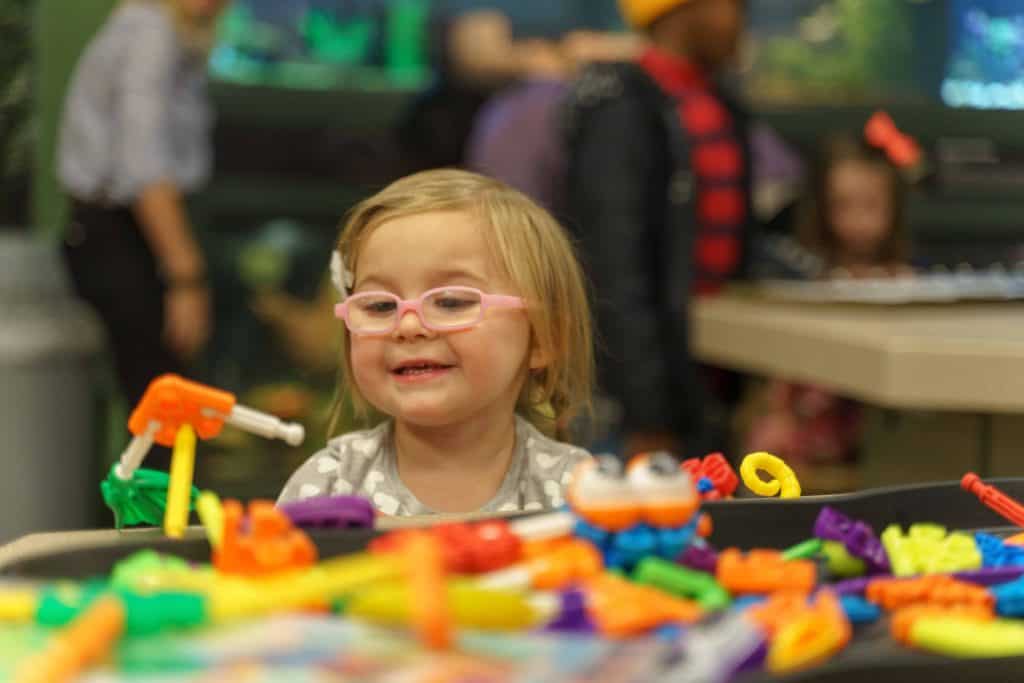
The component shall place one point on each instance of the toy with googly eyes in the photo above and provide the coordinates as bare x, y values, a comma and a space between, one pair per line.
649, 507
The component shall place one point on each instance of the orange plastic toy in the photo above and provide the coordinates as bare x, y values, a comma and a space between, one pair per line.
564, 564
621, 609
425, 568
938, 589
903, 620
271, 545
87, 641
764, 571
811, 637
173, 401
778, 610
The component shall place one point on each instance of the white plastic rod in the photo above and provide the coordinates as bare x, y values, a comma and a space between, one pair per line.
544, 527
267, 426
135, 453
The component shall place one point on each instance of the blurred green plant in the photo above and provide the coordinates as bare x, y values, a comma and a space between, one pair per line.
848, 50
16, 130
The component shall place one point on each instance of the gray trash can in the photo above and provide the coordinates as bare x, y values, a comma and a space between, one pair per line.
50, 345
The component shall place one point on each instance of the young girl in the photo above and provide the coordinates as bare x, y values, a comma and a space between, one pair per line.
468, 332
854, 224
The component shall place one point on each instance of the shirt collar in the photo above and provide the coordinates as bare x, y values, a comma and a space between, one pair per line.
673, 73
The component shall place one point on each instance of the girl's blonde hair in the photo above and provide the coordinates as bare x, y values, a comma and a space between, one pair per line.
198, 37
531, 249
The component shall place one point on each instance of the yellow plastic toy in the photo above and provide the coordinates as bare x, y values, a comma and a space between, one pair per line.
783, 483
969, 638
179, 491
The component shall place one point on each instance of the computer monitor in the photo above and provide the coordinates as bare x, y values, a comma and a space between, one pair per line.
985, 63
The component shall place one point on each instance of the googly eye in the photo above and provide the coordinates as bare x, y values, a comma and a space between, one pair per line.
664, 489
602, 496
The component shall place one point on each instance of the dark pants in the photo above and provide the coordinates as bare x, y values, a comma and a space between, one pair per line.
113, 269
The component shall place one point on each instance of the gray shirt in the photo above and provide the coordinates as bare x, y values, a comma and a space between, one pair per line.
363, 463
136, 112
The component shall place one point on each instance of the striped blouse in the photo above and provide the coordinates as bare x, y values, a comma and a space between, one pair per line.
136, 111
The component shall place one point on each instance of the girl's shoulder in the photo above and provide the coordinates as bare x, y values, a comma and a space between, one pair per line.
546, 456
364, 443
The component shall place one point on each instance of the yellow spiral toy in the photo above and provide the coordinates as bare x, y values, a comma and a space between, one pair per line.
783, 483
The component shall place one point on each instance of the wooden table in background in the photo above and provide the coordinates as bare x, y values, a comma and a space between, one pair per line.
951, 357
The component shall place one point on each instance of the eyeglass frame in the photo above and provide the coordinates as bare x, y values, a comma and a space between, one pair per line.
487, 301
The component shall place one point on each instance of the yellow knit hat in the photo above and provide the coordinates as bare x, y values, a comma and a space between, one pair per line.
643, 13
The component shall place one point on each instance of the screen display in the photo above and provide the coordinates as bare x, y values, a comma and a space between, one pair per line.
985, 66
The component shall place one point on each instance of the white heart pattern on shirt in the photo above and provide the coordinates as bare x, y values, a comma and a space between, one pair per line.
327, 465
308, 491
342, 488
373, 479
509, 507
546, 460
533, 506
566, 478
385, 503
554, 492
364, 447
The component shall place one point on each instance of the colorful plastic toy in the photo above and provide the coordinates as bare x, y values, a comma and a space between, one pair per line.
937, 589
331, 512
860, 539
996, 500
783, 483
764, 571
721, 479
270, 544
170, 403
648, 510
927, 549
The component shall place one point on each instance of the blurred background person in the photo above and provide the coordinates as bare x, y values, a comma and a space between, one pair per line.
134, 141
659, 191
481, 48
853, 221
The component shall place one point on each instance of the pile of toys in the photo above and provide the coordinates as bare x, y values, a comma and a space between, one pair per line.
632, 560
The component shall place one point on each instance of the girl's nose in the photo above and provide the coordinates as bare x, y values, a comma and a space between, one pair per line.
410, 326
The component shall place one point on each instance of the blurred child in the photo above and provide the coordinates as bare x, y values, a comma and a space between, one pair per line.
659, 191
468, 332
854, 222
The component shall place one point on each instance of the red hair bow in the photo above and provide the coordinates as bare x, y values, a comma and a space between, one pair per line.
881, 132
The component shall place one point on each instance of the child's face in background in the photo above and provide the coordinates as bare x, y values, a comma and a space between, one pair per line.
860, 208
482, 369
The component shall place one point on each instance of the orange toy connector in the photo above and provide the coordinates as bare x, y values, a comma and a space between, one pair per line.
764, 571
173, 401
271, 545
937, 590
902, 622
621, 609
88, 640
425, 568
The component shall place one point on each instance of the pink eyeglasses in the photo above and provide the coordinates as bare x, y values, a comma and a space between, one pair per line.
444, 309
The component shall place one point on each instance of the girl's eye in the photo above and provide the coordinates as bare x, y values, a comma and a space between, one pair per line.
453, 303
377, 306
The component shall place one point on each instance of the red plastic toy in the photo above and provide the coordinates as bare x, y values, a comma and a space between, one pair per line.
717, 469
466, 548
995, 499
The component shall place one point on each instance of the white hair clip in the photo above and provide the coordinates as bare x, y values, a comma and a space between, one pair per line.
341, 276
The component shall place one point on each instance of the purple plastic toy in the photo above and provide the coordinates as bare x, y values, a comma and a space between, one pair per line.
572, 616
860, 539
334, 512
700, 557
